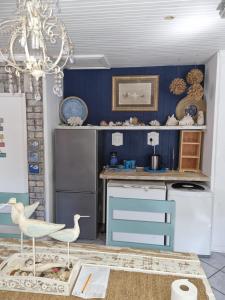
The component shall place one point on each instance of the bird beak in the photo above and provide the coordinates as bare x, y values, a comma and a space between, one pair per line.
85, 216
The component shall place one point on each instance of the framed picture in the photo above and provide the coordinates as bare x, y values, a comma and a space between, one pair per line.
33, 157
33, 145
34, 169
135, 93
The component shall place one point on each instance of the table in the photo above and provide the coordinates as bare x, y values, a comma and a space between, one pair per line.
137, 274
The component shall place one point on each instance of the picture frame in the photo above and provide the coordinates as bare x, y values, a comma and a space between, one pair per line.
135, 93
34, 168
33, 145
33, 157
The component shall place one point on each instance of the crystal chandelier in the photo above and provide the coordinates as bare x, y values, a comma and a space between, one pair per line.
38, 43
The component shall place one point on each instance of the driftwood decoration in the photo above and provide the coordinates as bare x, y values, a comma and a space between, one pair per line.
185, 104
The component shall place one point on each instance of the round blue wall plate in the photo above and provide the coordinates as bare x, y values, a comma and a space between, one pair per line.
72, 107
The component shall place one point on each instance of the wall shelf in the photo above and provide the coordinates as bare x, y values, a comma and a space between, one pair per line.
190, 150
150, 128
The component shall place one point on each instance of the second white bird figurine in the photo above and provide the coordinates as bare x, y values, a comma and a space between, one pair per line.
34, 228
68, 235
28, 211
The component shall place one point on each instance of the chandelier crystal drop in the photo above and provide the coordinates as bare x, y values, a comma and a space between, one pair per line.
38, 43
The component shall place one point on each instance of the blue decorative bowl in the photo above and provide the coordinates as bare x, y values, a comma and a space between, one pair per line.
72, 107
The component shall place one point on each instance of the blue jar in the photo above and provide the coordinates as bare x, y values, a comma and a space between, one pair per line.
113, 159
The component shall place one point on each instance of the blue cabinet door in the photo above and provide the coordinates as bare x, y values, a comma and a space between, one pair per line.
134, 231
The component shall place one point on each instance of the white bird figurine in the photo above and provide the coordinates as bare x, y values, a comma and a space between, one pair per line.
34, 228
28, 211
69, 235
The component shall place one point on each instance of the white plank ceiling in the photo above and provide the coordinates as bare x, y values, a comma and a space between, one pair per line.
135, 33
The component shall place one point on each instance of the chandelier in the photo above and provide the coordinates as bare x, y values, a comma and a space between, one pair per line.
38, 44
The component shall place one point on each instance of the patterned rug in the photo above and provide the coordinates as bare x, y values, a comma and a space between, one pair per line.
135, 274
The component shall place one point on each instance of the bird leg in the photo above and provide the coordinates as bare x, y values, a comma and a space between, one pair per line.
21, 242
68, 254
34, 267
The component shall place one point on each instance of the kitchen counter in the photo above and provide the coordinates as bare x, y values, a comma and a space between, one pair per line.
142, 175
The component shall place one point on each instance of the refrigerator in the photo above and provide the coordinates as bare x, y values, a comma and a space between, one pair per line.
77, 189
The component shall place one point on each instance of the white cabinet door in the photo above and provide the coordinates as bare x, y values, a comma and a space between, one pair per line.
192, 222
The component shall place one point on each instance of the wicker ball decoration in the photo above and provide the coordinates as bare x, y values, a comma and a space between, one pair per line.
178, 86
196, 91
194, 76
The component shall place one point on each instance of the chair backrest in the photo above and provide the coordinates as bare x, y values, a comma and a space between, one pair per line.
136, 226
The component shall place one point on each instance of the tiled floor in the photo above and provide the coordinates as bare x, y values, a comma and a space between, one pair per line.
214, 267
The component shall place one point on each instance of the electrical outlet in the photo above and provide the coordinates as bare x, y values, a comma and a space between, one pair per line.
117, 139
153, 138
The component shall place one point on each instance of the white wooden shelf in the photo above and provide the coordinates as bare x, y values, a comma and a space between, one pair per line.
150, 128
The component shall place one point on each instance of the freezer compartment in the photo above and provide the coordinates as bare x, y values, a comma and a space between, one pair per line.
76, 160
69, 204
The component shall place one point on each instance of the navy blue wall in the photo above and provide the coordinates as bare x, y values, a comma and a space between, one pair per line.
95, 88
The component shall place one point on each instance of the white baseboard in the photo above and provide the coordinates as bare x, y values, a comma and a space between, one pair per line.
218, 248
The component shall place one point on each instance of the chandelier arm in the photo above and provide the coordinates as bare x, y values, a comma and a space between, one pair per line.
48, 26
60, 53
61, 67
4, 26
66, 60
13, 63
26, 51
6, 22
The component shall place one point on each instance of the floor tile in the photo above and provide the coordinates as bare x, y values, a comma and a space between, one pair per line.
218, 295
216, 260
217, 281
209, 270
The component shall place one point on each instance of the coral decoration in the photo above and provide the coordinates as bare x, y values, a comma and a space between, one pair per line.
178, 86
196, 91
186, 121
194, 76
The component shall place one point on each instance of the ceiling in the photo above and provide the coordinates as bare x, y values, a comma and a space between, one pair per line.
134, 32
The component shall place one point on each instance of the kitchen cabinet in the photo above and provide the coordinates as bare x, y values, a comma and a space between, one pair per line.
136, 215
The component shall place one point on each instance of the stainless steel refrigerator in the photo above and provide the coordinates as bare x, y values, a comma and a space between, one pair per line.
77, 163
